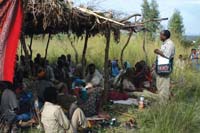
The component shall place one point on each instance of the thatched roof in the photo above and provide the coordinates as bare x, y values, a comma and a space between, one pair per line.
57, 16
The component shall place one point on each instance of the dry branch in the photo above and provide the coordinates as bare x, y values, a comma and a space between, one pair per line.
96, 15
129, 17
125, 46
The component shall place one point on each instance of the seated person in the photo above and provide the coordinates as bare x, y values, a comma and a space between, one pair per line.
127, 80
60, 73
114, 69
39, 86
142, 75
89, 100
78, 71
77, 84
65, 100
70, 64
127, 65
136, 79
53, 118
118, 79
10, 107
9, 102
93, 76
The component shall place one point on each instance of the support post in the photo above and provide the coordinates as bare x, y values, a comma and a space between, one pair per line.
123, 49
23, 44
30, 46
83, 61
47, 47
75, 51
106, 69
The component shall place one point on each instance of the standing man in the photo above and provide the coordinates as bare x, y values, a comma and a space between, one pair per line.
167, 51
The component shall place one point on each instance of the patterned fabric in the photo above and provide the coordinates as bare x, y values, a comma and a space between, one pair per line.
90, 106
10, 26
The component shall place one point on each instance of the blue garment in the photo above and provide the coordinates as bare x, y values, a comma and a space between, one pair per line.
115, 69
84, 94
23, 117
26, 97
78, 82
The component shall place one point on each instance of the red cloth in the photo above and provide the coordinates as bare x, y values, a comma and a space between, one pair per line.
10, 27
114, 95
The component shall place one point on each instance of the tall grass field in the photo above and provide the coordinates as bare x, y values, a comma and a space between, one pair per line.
180, 115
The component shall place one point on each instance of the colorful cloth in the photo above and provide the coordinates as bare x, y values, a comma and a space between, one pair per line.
10, 27
89, 107
114, 95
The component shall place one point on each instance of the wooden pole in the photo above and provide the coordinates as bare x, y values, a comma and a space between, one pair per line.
21, 50
30, 47
106, 69
75, 51
23, 43
83, 61
27, 58
123, 49
47, 47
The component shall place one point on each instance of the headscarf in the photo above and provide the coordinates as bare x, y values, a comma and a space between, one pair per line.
115, 69
127, 65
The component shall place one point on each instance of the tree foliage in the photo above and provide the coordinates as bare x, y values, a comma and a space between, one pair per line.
176, 25
150, 11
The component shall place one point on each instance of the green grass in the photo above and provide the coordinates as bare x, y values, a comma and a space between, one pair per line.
60, 44
180, 115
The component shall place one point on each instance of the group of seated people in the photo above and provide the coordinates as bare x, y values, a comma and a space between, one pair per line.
59, 97
132, 78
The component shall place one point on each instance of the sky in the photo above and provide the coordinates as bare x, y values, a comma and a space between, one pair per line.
190, 10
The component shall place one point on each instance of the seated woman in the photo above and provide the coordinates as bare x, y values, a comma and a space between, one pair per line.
114, 69
89, 101
53, 118
143, 75
128, 79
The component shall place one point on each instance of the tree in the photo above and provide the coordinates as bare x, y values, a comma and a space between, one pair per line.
154, 14
146, 12
146, 9
176, 25
150, 11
